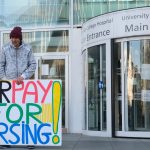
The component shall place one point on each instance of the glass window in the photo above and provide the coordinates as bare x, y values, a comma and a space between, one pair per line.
86, 9
136, 79
118, 86
97, 88
55, 70
137, 84
85, 89
45, 41
33, 13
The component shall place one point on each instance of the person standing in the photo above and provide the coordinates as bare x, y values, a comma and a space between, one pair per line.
16, 60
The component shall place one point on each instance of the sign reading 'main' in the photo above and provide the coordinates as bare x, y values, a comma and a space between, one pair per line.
30, 113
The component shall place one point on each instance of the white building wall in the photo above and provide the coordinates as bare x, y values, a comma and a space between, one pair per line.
76, 90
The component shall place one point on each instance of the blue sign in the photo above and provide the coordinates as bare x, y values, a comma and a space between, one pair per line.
101, 85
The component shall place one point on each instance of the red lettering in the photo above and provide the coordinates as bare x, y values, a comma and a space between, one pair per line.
45, 90
15, 89
26, 92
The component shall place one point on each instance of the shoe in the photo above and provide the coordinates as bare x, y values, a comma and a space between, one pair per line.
31, 147
4, 146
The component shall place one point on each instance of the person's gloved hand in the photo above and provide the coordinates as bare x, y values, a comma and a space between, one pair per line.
19, 80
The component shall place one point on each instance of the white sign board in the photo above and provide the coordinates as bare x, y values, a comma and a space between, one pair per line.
45, 69
145, 95
145, 72
115, 25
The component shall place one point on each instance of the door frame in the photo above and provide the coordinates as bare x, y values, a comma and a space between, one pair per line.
123, 133
108, 132
64, 56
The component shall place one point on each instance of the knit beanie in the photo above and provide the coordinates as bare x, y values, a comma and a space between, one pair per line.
16, 33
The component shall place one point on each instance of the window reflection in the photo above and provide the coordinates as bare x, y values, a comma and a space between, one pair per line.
136, 86
86, 9
118, 86
45, 41
97, 95
33, 13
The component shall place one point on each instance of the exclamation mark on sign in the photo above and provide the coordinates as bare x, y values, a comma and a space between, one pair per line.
56, 103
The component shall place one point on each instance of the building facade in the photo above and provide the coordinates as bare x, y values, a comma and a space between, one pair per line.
103, 63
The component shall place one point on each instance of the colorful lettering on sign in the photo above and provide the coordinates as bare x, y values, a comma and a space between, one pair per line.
30, 112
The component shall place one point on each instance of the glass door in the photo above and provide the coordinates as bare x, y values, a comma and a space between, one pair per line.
55, 67
97, 88
132, 87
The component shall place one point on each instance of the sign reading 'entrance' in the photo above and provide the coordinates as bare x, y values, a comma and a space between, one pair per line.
116, 25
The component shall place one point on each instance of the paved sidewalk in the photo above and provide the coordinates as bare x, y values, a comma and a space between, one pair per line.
82, 142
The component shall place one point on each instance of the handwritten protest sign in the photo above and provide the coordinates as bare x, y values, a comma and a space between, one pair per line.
30, 113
